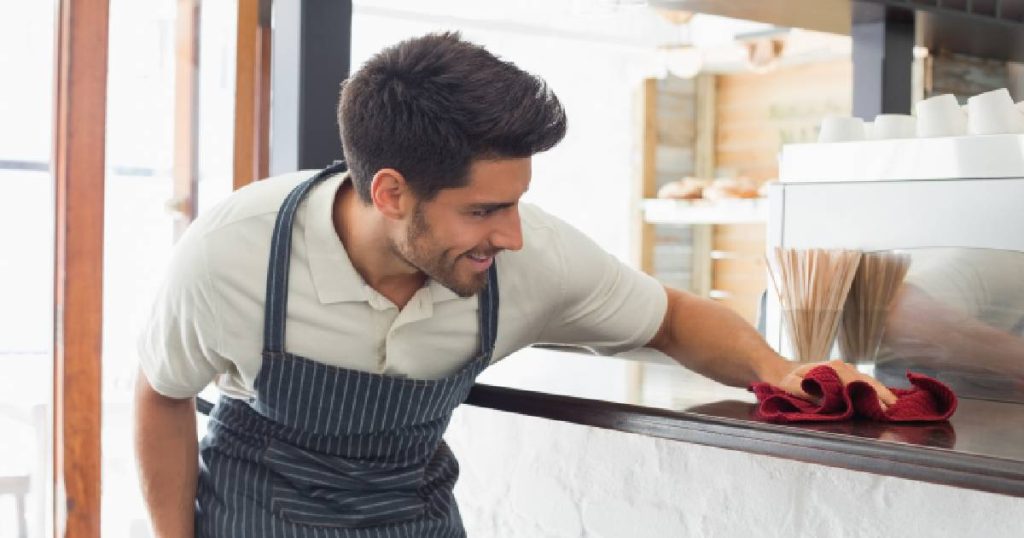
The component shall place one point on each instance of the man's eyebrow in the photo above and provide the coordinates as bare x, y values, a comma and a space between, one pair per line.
490, 206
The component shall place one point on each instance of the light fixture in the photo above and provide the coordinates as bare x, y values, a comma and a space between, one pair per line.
679, 58
675, 16
682, 61
763, 54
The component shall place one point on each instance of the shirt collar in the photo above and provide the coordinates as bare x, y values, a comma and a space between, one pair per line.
334, 277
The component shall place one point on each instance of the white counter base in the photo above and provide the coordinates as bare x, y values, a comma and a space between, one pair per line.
533, 478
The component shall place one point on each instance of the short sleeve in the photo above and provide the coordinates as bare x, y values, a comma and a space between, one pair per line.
177, 346
605, 304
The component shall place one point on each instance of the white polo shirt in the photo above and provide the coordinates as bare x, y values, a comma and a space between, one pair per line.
206, 322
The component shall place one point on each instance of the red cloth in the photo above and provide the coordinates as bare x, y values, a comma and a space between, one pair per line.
928, 400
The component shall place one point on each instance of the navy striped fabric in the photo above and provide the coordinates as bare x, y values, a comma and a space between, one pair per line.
329, 452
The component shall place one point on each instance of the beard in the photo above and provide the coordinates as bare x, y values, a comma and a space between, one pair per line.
420, 250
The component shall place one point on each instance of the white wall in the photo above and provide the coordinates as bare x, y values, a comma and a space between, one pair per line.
536, 478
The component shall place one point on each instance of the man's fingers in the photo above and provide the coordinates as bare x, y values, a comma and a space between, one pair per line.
791, 384
795, 390
885, 396
848, 374
884, 393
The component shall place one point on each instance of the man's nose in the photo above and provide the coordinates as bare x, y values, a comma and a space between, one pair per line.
509, 234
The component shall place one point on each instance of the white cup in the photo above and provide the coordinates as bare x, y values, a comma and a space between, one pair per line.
940, 116
993, 113
888, 126
841, 129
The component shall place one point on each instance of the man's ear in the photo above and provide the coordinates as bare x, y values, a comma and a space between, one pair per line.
390, 193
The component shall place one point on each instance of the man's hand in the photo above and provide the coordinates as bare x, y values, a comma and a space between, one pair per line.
847, 374
714, 341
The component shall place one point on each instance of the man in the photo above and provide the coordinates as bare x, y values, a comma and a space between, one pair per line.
397, 282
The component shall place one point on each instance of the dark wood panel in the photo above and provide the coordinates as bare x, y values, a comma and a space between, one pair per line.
79, 144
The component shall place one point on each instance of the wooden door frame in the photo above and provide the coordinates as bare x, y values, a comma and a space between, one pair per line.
78, 166
252, 93
186, 115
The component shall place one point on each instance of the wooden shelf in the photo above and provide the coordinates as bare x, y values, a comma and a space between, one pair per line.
738, 211
728, 255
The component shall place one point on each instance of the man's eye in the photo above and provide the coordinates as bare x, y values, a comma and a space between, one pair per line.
480, 212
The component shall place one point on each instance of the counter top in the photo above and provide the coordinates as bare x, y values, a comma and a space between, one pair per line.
981, 447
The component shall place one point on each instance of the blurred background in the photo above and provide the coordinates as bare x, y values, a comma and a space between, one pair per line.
677, 111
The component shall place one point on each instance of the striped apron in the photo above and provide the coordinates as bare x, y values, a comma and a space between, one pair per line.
329, 452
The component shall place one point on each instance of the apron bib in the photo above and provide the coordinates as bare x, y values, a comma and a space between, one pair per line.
330, 452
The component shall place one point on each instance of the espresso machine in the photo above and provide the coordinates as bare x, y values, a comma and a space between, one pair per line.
955, 206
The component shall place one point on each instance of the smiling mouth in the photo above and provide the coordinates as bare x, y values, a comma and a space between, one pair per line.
480, 262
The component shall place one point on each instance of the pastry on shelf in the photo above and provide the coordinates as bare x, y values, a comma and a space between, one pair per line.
726, 188
688, 188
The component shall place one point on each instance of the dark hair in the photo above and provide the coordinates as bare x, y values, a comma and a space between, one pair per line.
429, 106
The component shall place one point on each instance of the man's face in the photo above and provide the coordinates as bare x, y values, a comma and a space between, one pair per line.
454, 237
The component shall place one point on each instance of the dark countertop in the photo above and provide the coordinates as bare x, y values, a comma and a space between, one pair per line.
981, 447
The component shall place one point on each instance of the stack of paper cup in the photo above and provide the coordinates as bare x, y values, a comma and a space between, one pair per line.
869, 130
841, 129
988, 113
940, 116
887, 126
993, 113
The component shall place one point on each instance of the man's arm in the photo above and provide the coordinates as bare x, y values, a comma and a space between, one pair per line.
167, 452
712, 340
954, 340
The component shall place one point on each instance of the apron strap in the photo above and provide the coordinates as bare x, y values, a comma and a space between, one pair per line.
488, 306
276, 305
